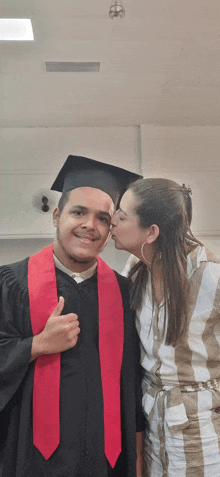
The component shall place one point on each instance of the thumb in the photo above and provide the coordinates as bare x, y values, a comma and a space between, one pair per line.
59, 307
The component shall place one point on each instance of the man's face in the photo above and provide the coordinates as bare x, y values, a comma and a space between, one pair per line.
82, 227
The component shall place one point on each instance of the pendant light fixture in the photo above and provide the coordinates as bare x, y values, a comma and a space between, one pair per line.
116, 9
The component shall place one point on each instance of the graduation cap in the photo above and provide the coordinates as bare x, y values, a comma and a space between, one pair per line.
80, 171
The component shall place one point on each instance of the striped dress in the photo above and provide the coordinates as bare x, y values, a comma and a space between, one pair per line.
181, 384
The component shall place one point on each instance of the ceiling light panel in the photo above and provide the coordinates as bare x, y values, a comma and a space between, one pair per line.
16, 29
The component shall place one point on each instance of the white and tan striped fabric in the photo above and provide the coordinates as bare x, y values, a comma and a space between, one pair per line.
181, 386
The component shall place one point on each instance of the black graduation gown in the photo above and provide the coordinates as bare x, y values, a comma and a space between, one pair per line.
81, 450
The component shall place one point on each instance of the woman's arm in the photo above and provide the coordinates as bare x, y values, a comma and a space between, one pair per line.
139, 462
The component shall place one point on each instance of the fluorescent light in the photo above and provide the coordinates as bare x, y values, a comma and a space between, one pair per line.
16, 29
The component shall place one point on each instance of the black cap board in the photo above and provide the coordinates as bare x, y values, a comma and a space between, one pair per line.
80, 171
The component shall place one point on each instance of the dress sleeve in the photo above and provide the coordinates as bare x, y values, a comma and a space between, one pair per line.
15, 335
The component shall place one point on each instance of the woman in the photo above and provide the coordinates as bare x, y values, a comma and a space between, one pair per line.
176, 293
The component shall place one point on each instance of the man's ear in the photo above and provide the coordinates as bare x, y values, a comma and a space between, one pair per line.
152, 233
56, 215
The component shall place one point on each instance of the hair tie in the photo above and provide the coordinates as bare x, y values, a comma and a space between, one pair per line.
187, 191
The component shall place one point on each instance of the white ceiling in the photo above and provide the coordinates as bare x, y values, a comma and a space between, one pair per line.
159, 65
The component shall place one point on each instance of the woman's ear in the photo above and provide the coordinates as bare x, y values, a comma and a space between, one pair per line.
152, 233
56, 215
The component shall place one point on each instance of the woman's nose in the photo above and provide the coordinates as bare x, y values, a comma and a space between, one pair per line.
113, 220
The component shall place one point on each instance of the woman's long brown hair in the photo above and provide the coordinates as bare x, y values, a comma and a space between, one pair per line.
167, 204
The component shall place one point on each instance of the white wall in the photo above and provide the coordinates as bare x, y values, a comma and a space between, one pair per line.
189, 155
31, 158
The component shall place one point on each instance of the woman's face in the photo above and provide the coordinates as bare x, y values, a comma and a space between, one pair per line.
126, 231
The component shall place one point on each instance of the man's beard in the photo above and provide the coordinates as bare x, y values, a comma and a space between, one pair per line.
76, 260
72, 257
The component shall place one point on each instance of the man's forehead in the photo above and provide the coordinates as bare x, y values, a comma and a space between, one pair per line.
90, 195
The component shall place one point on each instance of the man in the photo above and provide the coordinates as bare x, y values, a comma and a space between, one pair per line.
70, 394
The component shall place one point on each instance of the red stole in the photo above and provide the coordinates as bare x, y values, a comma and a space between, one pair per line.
46, 389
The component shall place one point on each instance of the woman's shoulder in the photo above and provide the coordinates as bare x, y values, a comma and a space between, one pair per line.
203, 260
212, 266
132, 260
211, 257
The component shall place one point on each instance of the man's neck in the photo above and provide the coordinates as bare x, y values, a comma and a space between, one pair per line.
73, 264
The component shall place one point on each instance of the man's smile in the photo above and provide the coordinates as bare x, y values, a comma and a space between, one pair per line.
86, 238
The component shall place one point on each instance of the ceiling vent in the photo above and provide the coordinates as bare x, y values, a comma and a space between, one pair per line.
71, 67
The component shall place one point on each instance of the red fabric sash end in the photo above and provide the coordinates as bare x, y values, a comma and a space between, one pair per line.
46, 411
46, 389
111, 342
